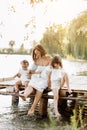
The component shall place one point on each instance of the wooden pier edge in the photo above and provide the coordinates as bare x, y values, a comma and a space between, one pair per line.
43, 104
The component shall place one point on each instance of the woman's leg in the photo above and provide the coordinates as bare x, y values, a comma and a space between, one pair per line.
36, 100
27, 92
56, 99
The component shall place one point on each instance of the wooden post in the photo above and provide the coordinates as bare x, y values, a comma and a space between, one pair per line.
43, 106
15, 99
85, 94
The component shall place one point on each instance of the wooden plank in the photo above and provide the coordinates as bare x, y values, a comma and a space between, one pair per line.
7, 93
79, 90
2, 86
64, 89
5, 85
45, 93
46, 96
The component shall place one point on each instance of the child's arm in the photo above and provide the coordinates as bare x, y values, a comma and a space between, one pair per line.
32, 72
17, 75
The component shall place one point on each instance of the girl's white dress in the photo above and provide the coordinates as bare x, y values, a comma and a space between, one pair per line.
56, 76
24, 76
40, 81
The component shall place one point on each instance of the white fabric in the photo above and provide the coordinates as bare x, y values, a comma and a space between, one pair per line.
33, 67
56, 76
40, 81
24, 75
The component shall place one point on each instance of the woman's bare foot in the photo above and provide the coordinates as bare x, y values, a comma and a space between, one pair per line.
22, 96
30, 112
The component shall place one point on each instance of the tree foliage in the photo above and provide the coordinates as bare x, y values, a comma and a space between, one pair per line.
32, 2
77, 36
53, 39
35, 1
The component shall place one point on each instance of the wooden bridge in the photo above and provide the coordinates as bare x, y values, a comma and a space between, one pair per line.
67, 103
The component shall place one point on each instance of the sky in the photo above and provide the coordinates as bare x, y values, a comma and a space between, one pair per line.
21, 22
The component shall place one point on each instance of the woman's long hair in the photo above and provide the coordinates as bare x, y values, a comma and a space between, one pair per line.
39, 48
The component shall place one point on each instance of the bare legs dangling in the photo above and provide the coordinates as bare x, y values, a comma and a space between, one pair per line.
56, 99
27, 92
36, 100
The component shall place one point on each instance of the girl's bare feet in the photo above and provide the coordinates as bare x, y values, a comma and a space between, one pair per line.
31, 112
58, 115
22, 96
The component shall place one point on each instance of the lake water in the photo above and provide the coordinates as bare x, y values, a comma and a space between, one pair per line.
16, 118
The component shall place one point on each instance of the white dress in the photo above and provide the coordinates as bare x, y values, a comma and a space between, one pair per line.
40, 81
56, 76
24, 76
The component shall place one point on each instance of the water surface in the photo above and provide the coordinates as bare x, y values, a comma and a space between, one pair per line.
15, 118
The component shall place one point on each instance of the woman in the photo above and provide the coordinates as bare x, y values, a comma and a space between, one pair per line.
39, 80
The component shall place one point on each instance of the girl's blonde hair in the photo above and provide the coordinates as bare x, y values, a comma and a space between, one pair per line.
56, 60
39, 48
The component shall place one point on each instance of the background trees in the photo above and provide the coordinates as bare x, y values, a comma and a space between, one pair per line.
77, 36
53, 39
11, 45
69, 40
57, 39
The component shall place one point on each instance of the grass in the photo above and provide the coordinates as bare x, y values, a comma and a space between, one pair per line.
70, 57
82, 73
76, 123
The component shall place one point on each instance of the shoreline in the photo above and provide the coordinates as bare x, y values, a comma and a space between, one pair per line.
68, 59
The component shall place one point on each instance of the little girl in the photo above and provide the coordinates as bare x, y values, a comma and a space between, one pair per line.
58, 77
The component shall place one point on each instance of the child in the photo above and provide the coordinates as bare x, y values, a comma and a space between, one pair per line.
58, 77
23, 74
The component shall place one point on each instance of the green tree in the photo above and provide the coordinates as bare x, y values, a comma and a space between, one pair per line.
53, 40
77, 36
35, 1
11, 45
22, 49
